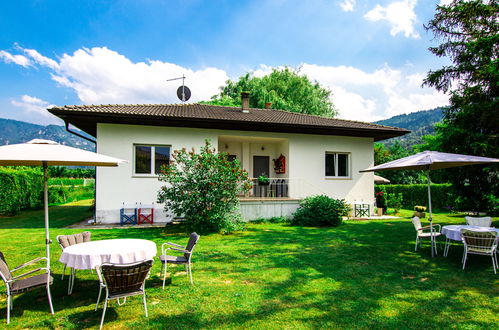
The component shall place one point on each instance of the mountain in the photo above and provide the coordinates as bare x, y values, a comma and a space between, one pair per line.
419, 123
14, 131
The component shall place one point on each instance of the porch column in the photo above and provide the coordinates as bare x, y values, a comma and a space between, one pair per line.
245, 162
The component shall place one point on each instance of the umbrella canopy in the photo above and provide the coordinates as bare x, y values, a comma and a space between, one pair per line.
380, 180
37, 152
44, 153
431, 160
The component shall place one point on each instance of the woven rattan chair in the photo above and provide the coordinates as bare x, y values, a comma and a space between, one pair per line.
480, 221
185, 259
425, 232
481, 243
68, 240
121, 281
23, 283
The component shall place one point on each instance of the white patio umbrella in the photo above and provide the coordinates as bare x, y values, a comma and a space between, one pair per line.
45, 153
431, 160
380, 180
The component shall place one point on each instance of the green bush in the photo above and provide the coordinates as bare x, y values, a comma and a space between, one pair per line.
442, 195
320, 210
66, 194
21, 188
394, 200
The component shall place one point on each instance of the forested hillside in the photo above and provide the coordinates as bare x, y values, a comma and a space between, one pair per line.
419, 123
13, 131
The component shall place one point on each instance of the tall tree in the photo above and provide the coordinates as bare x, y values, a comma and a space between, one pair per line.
285, 88
469, 35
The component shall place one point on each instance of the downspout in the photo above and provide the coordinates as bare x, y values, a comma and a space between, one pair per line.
94, 142
78, 134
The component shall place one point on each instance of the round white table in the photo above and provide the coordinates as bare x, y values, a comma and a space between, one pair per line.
453, 232
88, 255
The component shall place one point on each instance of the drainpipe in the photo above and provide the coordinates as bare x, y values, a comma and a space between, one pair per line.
95, 167
78, 134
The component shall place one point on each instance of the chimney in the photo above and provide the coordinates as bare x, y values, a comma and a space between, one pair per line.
268, 105
245, 102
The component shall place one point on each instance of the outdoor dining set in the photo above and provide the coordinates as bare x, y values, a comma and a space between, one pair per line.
122, 267
477, 236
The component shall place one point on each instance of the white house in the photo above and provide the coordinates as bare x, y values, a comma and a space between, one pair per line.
303, 155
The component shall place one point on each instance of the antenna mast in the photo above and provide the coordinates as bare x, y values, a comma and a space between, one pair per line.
183, 92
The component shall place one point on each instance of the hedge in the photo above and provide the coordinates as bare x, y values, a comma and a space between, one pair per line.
21, 188
442, 196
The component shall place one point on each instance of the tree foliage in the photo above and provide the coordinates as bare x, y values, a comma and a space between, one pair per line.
203, 187
469, 35
285, 88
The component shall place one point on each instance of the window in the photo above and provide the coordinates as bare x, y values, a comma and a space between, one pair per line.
148, 157
337, 165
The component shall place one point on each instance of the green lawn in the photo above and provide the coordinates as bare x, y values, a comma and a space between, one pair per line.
363, 274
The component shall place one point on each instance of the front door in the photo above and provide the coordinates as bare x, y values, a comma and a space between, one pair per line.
261, 166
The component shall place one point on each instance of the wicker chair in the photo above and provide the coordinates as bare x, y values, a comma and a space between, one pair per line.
481, 243
185, 259
22, 283
68, 240
421, 232
481, 221
121, 281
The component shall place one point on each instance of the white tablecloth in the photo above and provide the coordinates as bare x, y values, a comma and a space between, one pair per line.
90, 254
453, 232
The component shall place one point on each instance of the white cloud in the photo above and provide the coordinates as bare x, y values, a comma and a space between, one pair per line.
370, 96
40, 59
101, 76
17, 59
32, 104
347, 5
400, 15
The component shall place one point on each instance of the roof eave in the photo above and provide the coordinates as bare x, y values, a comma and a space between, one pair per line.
87, 122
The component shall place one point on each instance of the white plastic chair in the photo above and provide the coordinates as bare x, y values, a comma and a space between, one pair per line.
479, 221
481, 243
421, 232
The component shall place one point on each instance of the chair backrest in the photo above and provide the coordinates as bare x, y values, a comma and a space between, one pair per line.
481, 221
193, 239
125, 278
479, 239
4, 269
68, 240
417, 223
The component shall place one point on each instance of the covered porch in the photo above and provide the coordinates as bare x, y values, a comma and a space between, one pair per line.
261, 157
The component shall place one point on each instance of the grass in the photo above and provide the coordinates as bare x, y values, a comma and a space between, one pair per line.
363, 274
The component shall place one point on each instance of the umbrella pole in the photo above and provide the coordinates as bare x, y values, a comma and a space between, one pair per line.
431, 215
46, 211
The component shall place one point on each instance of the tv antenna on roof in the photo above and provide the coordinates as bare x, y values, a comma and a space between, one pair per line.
183, 92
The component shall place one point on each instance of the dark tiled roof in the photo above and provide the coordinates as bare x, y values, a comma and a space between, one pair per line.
210, 116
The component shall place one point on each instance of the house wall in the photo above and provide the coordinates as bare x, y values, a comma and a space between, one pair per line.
305, 164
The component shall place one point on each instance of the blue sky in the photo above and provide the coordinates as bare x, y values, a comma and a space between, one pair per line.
372, 54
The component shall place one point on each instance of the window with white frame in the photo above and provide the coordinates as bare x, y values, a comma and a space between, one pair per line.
149, 158
337, 165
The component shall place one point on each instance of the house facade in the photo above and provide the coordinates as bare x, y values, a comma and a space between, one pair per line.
301, 155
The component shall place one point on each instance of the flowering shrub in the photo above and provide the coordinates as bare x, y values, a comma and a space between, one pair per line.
204, 188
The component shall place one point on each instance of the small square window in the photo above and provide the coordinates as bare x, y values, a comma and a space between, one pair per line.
150, 157
337, 165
